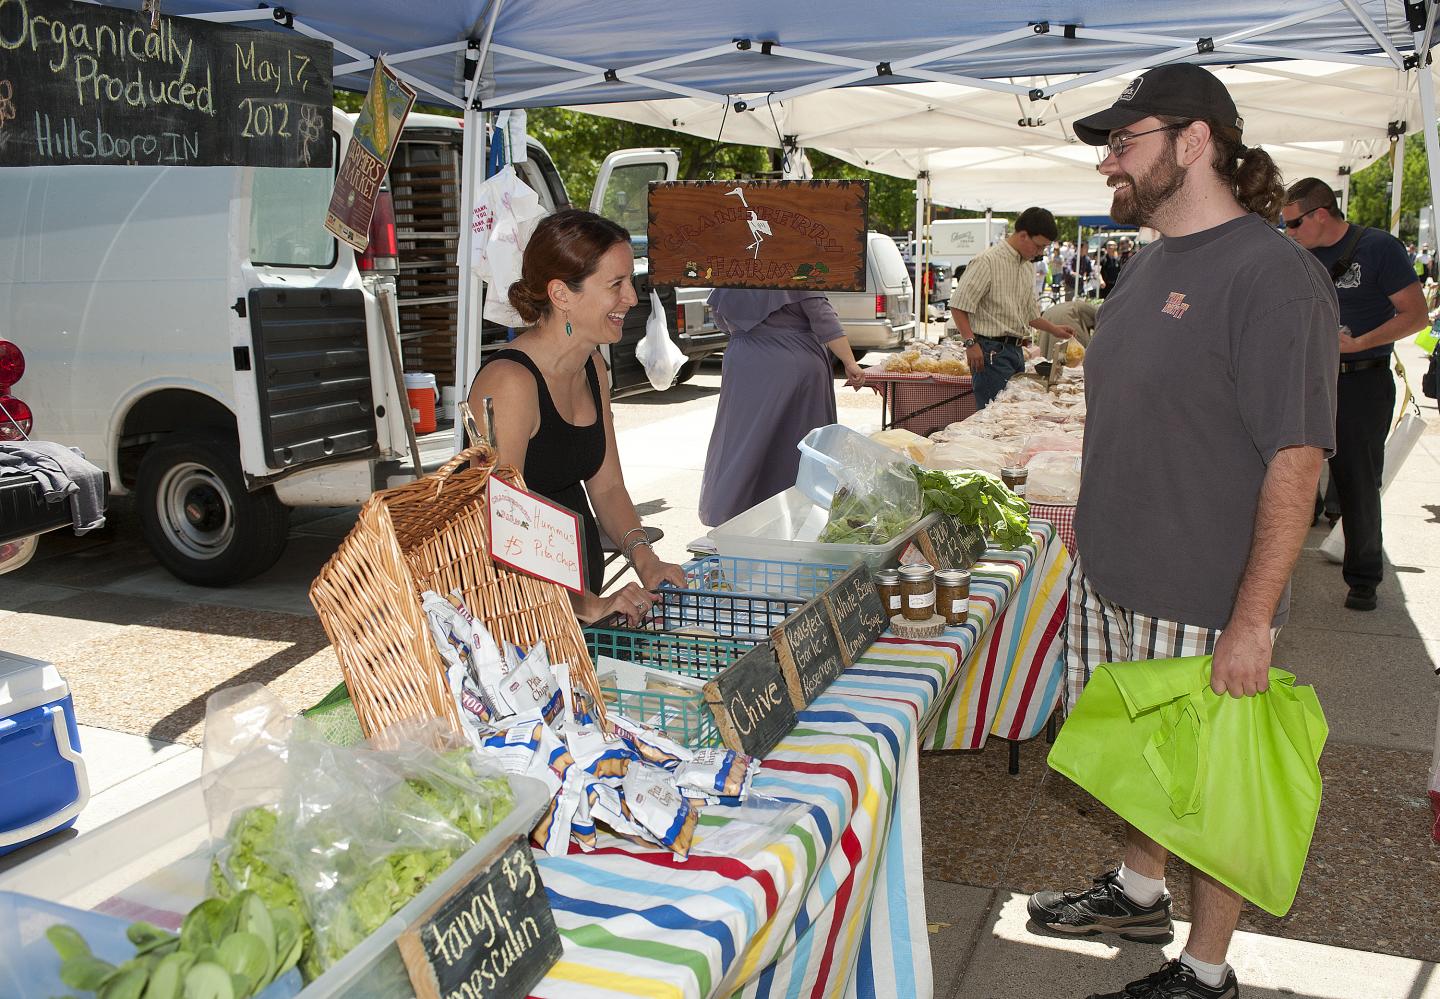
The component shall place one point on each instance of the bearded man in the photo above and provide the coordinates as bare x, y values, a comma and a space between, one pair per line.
1210, 393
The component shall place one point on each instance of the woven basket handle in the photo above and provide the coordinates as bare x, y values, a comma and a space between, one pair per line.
483, 452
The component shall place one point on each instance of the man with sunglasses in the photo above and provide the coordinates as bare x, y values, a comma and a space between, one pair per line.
1381, 301
1209, 390
994, 304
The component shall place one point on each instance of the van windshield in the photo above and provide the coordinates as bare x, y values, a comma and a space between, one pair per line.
287, 217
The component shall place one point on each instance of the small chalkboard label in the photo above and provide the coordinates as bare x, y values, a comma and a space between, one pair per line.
751, 703
493, 936
93, 84
950, 543
856, 612
809, 652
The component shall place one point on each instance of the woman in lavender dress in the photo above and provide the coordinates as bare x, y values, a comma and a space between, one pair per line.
775, 387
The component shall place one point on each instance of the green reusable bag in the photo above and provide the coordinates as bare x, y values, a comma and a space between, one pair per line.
1229, 785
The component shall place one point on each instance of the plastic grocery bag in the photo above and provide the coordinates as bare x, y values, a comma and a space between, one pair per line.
1229, 785
876, 498
1402, 440
657, 352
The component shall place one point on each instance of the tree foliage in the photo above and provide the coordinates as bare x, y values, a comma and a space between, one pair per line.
1370, 194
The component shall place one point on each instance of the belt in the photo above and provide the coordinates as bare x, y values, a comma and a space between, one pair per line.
1016, 340
1370, 362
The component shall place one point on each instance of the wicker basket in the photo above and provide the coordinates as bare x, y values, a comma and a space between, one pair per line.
432, 534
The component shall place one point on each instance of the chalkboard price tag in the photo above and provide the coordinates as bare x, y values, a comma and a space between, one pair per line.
856, 612
809, 652
93, 84
751, 703
950, 543
494, 935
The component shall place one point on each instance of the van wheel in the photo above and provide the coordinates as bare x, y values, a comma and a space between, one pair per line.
198, 518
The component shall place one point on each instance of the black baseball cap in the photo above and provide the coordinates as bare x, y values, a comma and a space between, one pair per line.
1179, 89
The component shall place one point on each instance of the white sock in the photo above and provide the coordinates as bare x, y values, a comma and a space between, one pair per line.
1213, 975
1140, 889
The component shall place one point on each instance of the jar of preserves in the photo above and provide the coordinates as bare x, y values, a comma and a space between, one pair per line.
887, 583
1014, 478
917, 592
952, 595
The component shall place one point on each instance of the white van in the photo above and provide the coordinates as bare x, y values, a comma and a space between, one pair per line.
199, 335
882, 316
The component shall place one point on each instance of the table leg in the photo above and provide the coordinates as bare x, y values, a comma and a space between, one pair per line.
1014, 756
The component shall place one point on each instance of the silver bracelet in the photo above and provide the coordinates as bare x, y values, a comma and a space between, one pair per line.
625, 537
629, 553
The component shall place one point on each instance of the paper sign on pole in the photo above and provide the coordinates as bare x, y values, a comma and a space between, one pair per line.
367, 157
534, 535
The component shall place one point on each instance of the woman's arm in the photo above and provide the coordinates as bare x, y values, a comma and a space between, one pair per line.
614, 508
829, 330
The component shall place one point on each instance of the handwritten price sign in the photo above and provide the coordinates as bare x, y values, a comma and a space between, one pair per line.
534, 535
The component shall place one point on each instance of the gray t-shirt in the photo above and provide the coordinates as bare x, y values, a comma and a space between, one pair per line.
1214, 351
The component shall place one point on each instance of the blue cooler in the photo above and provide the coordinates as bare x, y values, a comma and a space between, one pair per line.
43, 785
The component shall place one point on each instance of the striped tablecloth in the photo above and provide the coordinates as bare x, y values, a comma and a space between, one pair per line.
830, 901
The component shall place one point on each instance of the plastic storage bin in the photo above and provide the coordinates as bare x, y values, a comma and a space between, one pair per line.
107, 871
740, 617
784, 528
759, 576
826, 449
43, 785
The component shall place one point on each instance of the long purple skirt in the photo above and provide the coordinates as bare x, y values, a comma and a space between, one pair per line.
775, 387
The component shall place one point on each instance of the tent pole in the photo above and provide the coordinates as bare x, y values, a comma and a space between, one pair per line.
472, 289
1397, 157
1427, 113
918, 295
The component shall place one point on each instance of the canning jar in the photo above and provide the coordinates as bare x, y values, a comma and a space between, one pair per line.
952, 592
917, 592
887, 583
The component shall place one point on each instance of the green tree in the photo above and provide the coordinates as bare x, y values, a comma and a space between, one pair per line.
1370, 194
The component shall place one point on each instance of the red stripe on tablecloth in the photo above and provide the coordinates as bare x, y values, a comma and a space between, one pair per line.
1047, 639
939, 643
734, 870
851, 846
977, 737
828, 769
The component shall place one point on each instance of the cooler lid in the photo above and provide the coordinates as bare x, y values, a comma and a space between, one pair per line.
27, 683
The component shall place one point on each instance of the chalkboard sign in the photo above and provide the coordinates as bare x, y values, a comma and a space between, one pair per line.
751, 703
809, 652
493, 936
790, 234
950, 543
86, 84
856, 612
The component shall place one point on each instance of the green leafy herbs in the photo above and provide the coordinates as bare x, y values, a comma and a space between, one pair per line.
229, 949
861, 518
977, 498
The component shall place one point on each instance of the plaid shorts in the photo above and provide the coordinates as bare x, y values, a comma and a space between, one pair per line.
1101, 631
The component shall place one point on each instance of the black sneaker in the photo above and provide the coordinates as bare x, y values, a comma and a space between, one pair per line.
1361, 598
1175, 981
1103, 908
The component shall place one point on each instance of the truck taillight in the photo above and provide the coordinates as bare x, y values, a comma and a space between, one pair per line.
12, 366
382, 253
16, 420
680, 318
880, 302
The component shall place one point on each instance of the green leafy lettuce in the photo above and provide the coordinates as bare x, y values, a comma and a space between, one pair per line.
977, 498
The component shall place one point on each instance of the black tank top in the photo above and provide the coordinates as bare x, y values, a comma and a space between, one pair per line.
561, 456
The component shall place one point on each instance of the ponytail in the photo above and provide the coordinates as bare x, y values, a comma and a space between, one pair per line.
1253, 176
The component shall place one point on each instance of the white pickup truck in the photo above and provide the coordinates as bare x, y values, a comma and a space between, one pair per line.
200, 336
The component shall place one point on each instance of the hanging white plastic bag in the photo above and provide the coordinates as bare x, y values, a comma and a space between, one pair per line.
1402, 440
503, 217
657, 352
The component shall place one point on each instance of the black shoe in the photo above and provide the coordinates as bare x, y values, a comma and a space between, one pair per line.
1103, 908
1361, 598
1175, 981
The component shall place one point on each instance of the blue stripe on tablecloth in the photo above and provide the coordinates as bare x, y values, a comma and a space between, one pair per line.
838, 798
865, 971
879, 728
902, 957
728, 890
666, 917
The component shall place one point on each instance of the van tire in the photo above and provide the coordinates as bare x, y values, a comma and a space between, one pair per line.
687, 371
199, 519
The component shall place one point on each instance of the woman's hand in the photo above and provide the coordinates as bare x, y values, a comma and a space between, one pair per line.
652, 571
854, 375
630, 601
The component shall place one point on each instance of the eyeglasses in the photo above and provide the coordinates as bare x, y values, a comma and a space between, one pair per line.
1299, 220
1120, 141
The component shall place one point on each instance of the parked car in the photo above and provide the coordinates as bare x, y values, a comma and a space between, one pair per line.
936, 282
881, 317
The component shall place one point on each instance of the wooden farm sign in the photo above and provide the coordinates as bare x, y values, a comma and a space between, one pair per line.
494, 935
87, 84
809, 653
950, 543
750, 702
856, 612
788, 234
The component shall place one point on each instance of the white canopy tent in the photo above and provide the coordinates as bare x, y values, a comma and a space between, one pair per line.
489, 54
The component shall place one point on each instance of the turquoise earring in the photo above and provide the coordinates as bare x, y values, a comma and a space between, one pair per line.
568, 330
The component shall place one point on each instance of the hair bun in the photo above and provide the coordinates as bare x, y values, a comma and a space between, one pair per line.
524, 301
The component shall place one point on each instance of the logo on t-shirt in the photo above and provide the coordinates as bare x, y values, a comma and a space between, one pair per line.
1175, 305
1351, 278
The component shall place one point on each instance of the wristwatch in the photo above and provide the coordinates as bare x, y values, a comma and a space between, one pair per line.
968, 342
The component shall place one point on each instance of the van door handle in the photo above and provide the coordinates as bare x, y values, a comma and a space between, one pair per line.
239, 307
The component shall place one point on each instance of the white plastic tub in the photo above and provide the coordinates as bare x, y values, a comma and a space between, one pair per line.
827, 449
785, 528
172, 834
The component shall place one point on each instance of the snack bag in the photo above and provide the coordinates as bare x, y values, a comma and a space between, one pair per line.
721, 773
661, 809
649, 745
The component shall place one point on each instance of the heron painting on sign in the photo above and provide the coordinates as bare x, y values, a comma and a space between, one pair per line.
759, 228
